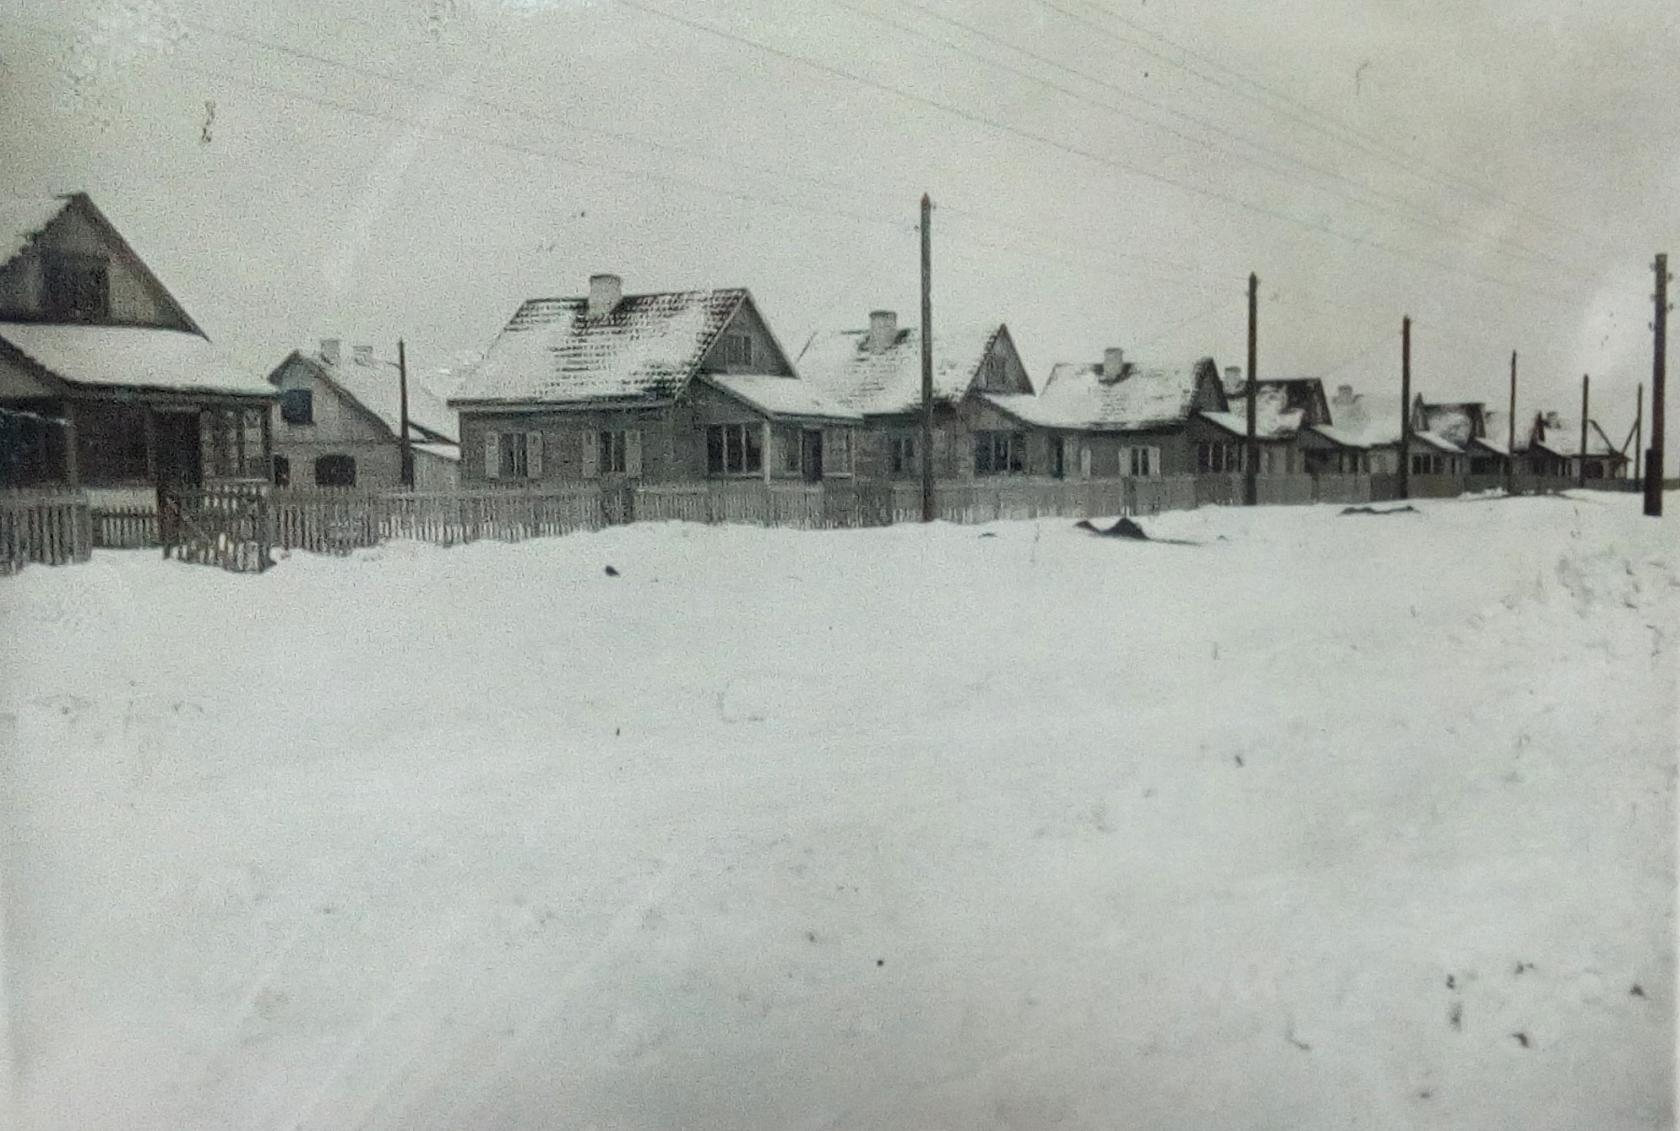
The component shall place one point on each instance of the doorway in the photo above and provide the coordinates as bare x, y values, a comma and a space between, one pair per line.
179, 461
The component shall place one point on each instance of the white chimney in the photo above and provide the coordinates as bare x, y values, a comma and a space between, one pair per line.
1113, 364
330, 348
883, 330
605, 291
362, 354
1233, 378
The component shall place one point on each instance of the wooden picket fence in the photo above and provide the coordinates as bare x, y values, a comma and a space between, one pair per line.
45, 527
125, 528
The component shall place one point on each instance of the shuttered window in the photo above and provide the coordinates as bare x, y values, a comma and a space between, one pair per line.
734, 449
513, 455
1141, 461
837, 451
999, 453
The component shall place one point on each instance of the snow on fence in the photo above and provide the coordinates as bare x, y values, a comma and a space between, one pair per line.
50, 527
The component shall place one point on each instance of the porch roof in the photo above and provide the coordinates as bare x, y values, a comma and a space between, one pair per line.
137, 357
1271, 426
777, 396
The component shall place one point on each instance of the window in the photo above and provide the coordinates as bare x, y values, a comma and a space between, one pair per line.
231, 443
999, 453
1424, 463
1219, 456
282, 471
837, 451
611, 453
513, 455
78, 287
790, 441
297, 406
1143, 462
901, 455
736, 349
111, 443
734, 449
1058, 456
993, 371
335, 471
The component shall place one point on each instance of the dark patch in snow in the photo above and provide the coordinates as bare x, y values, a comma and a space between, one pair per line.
1455, 1015
988, 534
1408, 509
880, 962
1523, 967
611, 572
1452, 982
1522, 1039
1239, 761
1637, 990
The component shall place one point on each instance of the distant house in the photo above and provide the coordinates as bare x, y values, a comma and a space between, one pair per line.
1286, 412
1467, 426
1552, 447
339, 423
667, 387
92, 344
1119, 418
1364, 432
877, 374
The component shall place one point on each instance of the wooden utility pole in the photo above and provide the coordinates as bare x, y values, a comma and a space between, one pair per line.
1406, 407
402, 389
1659, 350
927, 360
1581, 472
1639, 433
1251, 446
1511, 433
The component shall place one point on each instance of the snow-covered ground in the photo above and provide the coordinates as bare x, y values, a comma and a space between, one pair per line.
1325, 821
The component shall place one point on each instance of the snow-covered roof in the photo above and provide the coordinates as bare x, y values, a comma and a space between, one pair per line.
1456, 422
451, 452
1437, 441
782, 396
1367, 420
645, 348
1273, 418
24, 218
131, 356
376, 385
1075, 396
1561, 437
881, 382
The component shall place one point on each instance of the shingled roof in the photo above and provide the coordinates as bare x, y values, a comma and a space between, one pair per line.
24, 218
882, 382
646, 348
1076, 397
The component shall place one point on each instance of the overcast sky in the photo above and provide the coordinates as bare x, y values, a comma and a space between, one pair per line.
1105, 172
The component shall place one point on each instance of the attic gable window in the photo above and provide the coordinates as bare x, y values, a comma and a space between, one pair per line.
297, 406
736, 349
77, 287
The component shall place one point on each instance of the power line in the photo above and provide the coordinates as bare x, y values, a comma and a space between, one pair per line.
1129, 170
1331, 128
617, 135
1401, 205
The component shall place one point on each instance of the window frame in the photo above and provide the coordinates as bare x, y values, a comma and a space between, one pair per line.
738, 444
289, 398
65, 275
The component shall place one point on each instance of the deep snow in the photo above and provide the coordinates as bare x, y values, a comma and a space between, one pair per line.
1329, 821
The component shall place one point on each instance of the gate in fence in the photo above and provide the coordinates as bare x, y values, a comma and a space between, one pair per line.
227, 525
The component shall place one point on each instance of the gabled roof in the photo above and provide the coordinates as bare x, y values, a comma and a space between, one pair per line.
841, 364
1276, 415
376, 386
1302, 394
24, 218
781, 397
645, 349
1561, 437
139, 357
1368, 420
1460, 422
1074, 396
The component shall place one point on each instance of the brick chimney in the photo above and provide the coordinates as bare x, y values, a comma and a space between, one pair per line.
883, 330
1113, 365
1234, 379
1344, 394
331, 349
363, 354
605, 291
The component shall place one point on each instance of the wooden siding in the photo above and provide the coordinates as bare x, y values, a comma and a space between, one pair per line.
767, 355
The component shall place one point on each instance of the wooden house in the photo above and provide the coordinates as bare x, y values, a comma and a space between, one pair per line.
668, 387
1552, 448
877, 374
1118, 418
339, 423
1362, 436
1467, 426
92, 346
1286, 413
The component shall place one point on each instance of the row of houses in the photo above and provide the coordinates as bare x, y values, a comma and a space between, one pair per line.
106, 382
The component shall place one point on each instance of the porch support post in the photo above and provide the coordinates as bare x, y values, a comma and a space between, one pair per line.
151, 444
769, 455
72, 465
